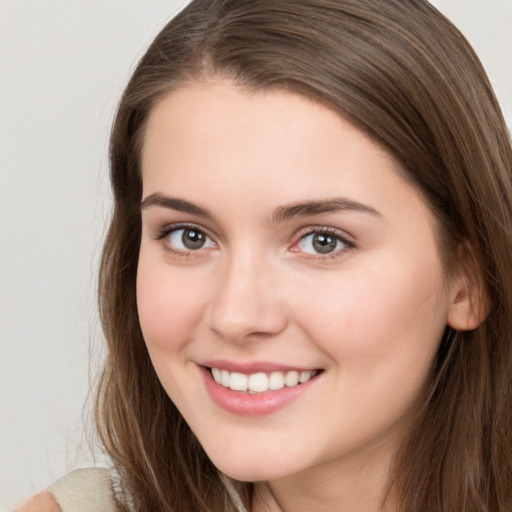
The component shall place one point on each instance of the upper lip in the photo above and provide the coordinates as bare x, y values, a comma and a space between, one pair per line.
249, 367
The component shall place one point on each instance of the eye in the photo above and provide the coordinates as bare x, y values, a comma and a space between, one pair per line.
322, 242
187, 239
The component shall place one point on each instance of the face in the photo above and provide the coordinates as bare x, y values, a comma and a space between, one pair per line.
290, 290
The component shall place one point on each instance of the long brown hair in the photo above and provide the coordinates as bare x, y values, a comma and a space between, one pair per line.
405, 74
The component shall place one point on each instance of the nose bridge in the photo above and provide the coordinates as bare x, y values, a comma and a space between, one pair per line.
246, 301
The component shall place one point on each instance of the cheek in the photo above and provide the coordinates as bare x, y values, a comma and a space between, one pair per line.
381, 334
170, 305
386, 320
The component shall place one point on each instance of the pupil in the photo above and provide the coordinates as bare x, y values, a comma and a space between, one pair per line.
324, 243
192, 239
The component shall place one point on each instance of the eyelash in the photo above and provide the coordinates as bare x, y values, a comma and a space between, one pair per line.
168, 230
324, 230
302, 235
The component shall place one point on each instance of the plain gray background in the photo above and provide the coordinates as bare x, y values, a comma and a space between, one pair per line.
63, 65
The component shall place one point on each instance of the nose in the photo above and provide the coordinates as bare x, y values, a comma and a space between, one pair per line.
246, 304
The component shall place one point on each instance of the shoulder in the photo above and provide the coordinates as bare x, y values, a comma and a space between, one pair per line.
44, 502
82, 490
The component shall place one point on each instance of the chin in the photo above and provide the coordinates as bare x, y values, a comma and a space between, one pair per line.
252, 474
247, 469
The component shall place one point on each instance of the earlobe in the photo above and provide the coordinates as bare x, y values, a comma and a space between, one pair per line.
470, 302
466, 313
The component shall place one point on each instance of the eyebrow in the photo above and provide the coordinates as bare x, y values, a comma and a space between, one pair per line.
308, 208
173, 203
281, 214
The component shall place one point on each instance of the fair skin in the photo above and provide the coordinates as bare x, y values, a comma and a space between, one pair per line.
43, 502
279, 237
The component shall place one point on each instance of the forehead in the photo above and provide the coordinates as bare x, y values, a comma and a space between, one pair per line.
217, 123
218, 143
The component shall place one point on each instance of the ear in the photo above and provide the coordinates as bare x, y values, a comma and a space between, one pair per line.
469, 297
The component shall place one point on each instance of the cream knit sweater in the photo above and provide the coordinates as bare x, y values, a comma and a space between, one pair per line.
83, 490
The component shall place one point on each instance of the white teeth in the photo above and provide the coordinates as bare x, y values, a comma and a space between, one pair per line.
217, 375
260, 382
305, 376
276, 380
225, 378
291, 379
238, 381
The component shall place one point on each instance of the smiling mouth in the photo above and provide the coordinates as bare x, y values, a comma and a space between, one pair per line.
261, 382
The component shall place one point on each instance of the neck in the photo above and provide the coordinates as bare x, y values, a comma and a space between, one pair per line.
354, 484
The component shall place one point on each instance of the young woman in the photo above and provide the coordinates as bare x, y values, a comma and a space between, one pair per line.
306, 288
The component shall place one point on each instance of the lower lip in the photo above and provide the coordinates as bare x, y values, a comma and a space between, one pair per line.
259, 404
